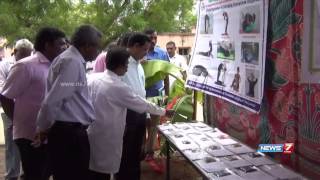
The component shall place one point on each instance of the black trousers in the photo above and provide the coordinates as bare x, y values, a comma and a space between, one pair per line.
98, 176
35, 161
132, 146
69, 151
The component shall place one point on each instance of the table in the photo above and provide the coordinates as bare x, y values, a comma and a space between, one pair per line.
216, 155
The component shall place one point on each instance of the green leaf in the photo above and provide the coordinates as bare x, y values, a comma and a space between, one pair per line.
23, 18
183, 109
177, 89
157, 70
282, 29
281, 17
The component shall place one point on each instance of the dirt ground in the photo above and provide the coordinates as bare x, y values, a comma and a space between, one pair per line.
180, 170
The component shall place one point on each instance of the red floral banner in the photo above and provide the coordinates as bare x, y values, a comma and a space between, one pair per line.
290, 110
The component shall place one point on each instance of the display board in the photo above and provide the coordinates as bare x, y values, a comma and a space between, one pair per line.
228, 59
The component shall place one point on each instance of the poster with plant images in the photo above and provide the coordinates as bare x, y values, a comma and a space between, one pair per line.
228, 59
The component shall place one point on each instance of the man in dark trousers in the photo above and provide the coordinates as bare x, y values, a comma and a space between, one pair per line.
67, 109
23, 48
22, 96
138, 46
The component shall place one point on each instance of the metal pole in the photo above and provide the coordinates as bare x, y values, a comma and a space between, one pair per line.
195, 99
168, 160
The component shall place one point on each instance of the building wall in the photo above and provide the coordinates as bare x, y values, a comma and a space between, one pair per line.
182, 40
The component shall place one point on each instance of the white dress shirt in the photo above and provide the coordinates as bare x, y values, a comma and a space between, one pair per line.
67, 97
111, 98
135, 78
5, 66
179, 61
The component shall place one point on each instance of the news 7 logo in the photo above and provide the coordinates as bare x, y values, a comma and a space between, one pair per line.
286, 148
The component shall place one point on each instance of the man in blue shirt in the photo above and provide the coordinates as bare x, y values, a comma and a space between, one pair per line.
154, 53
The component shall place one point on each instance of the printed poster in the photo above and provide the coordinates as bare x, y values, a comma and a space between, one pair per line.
228, 59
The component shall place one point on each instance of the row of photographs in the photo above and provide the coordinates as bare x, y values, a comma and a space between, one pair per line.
221, 157
248, 18
226, 50
226, 77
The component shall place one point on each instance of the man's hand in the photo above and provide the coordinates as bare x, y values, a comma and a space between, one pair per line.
40, 138
7, 105
170, 113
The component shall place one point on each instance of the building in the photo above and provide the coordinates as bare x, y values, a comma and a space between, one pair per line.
184, 41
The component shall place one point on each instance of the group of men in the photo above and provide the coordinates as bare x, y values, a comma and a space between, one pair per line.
71, 126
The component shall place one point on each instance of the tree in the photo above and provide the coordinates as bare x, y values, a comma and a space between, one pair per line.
22, 18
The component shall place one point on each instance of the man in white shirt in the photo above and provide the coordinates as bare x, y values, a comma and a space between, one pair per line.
176, 59
67, 109
111, 98
22, 49
138, 46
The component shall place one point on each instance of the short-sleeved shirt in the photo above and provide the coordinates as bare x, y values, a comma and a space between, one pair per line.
26, 84
179, 61
5, 66
156, 54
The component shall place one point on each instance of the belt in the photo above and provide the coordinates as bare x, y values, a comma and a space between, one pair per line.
70, 124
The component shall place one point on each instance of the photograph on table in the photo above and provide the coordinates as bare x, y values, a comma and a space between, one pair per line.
235, 161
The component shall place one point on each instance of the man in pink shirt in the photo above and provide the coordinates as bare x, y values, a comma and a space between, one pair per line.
22, 96
23, 48
99, 63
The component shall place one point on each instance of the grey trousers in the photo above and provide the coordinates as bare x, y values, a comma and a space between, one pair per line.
12, 156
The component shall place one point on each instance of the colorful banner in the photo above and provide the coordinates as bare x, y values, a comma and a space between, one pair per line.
228, 59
